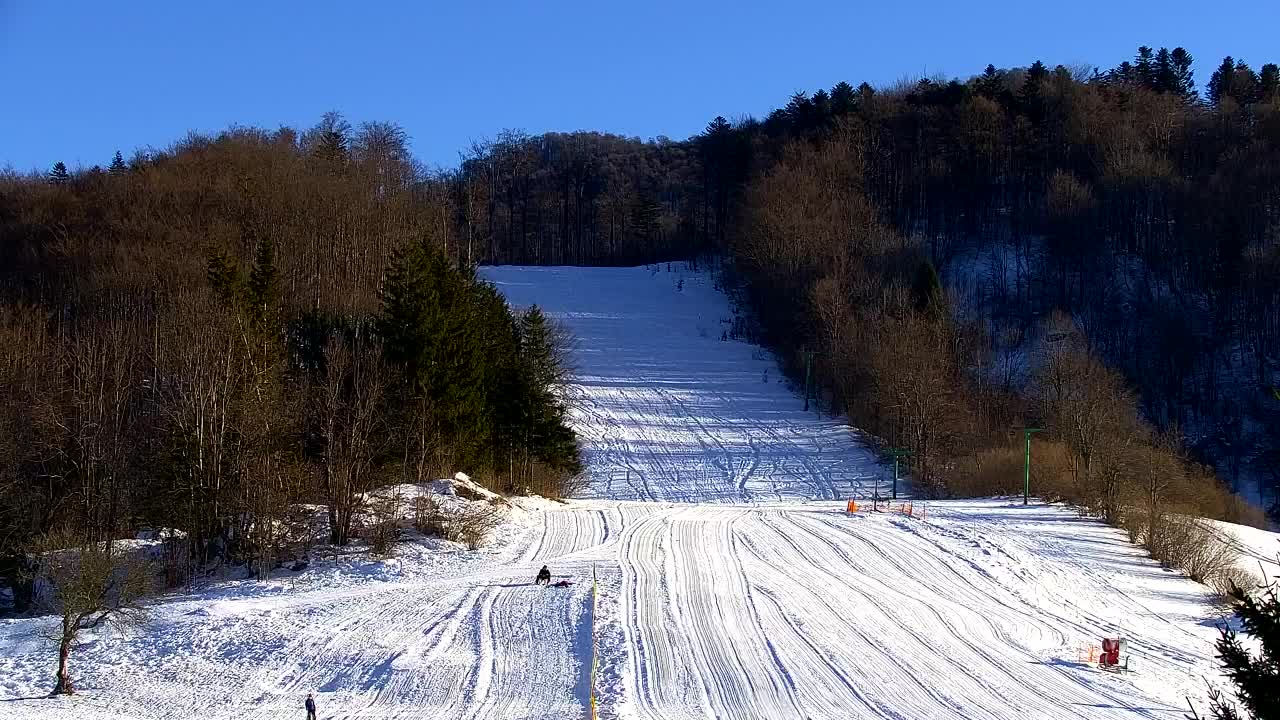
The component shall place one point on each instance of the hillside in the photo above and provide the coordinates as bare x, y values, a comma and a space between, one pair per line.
731, 582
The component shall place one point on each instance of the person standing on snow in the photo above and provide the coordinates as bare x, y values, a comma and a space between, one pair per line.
544, 576
311, 707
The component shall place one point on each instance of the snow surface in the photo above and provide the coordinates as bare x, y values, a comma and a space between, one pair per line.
731, 582
667, 411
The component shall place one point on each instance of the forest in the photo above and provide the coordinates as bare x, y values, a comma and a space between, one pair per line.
198, 337
941, 248
1095, 253
200, 340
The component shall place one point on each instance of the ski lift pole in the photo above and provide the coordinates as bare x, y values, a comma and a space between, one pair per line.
594, 590
1026, 461
808, 375
896, 453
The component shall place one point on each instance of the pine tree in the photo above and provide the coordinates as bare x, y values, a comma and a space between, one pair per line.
548, 437
1184, 84
59, 175
821, 108
407, 295
117, 165
1257, 679
1123, 74
1236, 80
1269, 83
1220, 82
264, 284
991, 83
1144, 68
329, 139
1033, 90
433, 328
800, 112
537, 348
645, 214
926, 289
224, 277
1165, 76
842, 99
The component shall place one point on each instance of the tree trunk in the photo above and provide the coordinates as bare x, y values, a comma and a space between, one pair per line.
64, 680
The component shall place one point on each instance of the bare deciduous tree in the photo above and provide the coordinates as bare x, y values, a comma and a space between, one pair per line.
351, 426
87, 583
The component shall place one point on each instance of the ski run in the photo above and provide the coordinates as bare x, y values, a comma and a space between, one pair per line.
731, 581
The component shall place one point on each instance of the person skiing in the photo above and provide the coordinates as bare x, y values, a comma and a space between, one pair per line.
311, 707
544, 576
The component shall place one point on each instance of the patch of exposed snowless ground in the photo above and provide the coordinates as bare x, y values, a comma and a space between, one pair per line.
731, 584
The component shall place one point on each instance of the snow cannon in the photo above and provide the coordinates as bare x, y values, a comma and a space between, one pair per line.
1113, 650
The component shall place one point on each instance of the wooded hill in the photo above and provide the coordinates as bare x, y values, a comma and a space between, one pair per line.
206, 337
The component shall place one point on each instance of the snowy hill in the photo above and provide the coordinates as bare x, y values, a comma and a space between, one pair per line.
668, 411
731, 582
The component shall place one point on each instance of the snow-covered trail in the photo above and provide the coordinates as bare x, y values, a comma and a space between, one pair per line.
977, 612
755, 597
429, 634
775, 611
669, 409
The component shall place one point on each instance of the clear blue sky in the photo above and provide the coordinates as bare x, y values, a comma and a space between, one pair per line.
81, 79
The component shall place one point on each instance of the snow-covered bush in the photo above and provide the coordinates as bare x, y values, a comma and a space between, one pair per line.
459, 510
382, 528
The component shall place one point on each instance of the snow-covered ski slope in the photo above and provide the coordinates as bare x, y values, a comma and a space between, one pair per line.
762, 599
732, 584
668, 411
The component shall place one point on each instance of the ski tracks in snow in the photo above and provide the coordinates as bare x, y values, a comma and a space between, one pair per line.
668, 412
786, 612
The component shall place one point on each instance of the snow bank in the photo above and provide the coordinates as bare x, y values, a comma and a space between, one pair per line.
1259, 549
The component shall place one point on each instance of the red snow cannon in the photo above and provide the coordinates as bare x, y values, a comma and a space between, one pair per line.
1111, 650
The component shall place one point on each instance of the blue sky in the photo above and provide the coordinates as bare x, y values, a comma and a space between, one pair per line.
82, 79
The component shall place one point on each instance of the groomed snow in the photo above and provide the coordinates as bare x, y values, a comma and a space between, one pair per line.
732, 584
668, 411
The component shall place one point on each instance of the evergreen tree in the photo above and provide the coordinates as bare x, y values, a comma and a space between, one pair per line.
408, 294
1165, 77
1269, 83
842, 99
263, 289
549, 439
1236, 80
821, 109
776, 124
1144, 68
59, 175
117, 164
433, 329
1257, 679
538, 349
800, 113
990, 83
926, 289
1220, 82
1123, 74
645, 214
330, 138
1184, 81
1033, 91
224, 277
